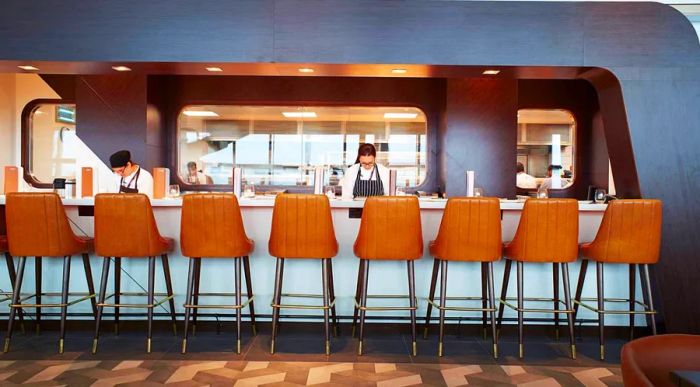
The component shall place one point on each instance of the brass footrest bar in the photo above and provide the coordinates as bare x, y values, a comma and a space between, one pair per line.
167, 298
301, 295
85, 296
617, 300
530, 310
241, 306
387, 296
461, 309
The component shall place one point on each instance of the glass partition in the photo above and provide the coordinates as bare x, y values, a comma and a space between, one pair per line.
282, 145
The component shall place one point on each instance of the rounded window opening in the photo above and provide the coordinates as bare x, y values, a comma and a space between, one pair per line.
281, 146
546, 144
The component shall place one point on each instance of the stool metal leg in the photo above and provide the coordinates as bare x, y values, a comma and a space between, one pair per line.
326, 323
358, 294
169, 288
601, 308
249, 289
555, 290
521, 305
484, 300
504, 293
649, 300
431, 296
151, 298
13, 277
412, 302
64, 301
567, 302
100, 308
195, 301
90, 283
237, 274
38, 280
15, 301
117, 291
443, 295
632, 282
331, 295
188, 301
492, 305
276, 301
579, 285
363, 302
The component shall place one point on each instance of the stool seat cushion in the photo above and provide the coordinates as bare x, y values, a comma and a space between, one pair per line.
390, 229
37, 225
649, 361
630, 232
302, 227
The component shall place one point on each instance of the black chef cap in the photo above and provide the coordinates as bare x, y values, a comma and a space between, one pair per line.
120, 159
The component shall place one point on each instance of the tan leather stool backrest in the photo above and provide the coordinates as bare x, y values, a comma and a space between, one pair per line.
211, 226
302, 227
547, 232
125, 226
37, 225
390, 229
470, 230
630, 232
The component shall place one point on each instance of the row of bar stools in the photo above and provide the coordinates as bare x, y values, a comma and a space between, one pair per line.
390, 229
126, 228
547, 233
212, 227
302, 227
37, 226
470, 231
630, 233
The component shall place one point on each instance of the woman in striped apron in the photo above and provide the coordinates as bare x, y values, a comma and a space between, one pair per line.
366, 177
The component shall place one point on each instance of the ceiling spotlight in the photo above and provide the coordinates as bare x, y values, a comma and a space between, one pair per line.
28, 68
214, 69
399, 71
120, 68
306, 70
491, 72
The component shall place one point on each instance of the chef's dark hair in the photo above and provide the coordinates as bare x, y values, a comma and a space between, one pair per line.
365, 149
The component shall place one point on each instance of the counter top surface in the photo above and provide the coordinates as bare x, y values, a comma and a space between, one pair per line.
268, 201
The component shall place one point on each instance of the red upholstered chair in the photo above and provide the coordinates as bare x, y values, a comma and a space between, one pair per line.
649, 361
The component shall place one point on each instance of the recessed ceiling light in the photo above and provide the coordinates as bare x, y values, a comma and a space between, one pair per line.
200, 113
399, 71
400, 115
299, 114
38, 112
306, 70
491, 72
214, 69
28, 68
121, 68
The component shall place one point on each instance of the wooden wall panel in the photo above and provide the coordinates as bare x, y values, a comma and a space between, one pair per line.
480, 134
111, 112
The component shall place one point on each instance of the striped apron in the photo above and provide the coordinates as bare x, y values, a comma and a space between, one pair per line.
365, 188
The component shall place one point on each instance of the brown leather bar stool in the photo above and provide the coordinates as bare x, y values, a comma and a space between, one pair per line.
126, 228
302, 227
37, 226
630, 233
212, 227
470, 231
547, 233
649, 361
390, 229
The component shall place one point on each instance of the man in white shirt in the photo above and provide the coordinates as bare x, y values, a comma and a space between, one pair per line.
193, 175
130, 177
523, 180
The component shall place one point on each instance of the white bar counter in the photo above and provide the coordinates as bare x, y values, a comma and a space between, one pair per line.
304, 276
